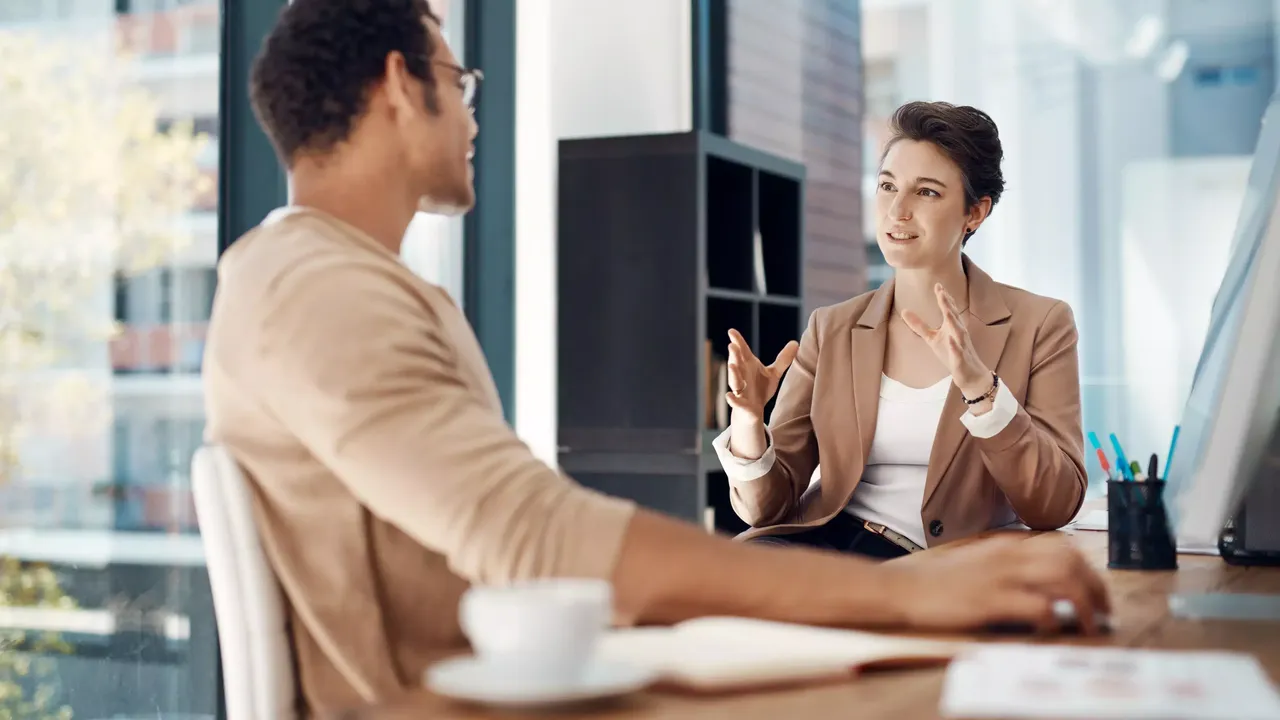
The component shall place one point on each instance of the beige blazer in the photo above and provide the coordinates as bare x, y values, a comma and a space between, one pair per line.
357, 400
1035, 465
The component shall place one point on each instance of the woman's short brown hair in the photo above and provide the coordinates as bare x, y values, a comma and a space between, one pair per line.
964, 134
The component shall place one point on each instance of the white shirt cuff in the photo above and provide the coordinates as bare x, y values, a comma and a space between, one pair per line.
989, 424
739, 469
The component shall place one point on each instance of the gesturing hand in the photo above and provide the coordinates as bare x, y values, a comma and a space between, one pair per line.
952, 345
751, 382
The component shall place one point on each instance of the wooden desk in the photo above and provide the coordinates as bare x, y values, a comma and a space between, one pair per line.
1140, 612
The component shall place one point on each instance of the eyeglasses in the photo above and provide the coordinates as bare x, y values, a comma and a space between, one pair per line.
468, 80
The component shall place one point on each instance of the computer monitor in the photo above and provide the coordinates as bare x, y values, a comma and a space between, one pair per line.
1226, 464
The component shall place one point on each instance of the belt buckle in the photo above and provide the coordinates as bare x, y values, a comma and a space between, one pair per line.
892, 536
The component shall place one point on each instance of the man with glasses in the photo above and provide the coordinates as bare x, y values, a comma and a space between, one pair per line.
358, 402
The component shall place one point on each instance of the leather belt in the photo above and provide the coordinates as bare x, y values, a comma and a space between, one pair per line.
892, 536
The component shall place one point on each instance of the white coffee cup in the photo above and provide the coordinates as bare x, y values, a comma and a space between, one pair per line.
539, 633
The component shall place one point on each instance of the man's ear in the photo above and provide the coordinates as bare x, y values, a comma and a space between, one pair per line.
403, 92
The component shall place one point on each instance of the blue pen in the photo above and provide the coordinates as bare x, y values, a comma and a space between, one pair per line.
1121, 461
1173, 444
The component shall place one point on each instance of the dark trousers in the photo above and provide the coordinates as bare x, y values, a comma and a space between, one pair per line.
843, 533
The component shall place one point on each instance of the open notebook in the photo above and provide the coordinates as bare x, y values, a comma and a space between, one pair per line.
722, 653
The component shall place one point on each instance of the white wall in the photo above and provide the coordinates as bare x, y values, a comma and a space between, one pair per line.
621, 68
583, 68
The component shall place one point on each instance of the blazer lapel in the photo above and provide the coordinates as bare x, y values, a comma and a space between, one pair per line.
987, 320
869, 335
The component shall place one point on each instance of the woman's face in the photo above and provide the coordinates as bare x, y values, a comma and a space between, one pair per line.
921, 217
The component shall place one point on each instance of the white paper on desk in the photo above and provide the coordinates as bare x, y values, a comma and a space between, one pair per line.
1045, 681
1090, 520
723, 653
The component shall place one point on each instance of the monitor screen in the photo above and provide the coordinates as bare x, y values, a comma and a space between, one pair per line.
1189, 476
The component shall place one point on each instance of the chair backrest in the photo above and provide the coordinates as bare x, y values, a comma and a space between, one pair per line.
257, 665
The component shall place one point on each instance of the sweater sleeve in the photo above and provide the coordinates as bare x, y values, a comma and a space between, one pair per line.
366, 376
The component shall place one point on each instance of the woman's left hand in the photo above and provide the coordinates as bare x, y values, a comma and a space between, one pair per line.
953, 346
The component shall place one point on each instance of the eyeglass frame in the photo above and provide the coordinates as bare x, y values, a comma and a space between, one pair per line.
468, 79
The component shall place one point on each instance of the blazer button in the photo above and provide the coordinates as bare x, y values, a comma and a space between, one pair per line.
935, 528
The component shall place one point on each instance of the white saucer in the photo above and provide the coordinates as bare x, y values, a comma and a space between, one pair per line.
469, 679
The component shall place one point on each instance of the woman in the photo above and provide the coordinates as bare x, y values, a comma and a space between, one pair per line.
941, 404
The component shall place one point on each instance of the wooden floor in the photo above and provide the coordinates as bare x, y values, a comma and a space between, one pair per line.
1141, 618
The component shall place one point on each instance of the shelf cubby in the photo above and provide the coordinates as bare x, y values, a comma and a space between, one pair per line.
658, 258
779, 221
730, 224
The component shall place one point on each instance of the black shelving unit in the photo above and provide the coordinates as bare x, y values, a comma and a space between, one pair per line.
658, 258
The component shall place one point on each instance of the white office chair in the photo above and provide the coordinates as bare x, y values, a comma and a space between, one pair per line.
257, 666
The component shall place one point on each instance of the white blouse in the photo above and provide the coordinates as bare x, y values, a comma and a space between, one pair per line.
891, 491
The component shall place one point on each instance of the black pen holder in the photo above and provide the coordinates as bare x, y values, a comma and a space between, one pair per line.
1138, 536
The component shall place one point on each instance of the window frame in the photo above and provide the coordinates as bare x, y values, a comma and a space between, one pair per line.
489, 249
250, 180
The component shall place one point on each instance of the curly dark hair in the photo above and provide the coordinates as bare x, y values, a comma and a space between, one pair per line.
965, 134
311, 79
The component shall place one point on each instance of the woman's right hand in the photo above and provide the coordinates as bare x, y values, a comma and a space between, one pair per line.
751, 382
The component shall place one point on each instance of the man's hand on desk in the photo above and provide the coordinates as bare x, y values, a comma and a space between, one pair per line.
670, 571
998, 581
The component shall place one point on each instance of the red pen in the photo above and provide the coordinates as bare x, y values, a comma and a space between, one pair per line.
1102, 457
1102, 460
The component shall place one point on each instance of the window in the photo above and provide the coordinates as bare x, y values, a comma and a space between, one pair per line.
161, 316
22, 10
104, 297
1128, 130
432, 245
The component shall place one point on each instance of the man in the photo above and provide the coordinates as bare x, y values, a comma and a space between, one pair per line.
358, 402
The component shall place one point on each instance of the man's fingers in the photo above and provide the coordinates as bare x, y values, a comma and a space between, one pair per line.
1016, 606
1098, 592
1064, 576
1086, 612
785, 358
1076, 567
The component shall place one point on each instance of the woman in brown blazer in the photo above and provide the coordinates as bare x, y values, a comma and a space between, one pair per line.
940, 405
